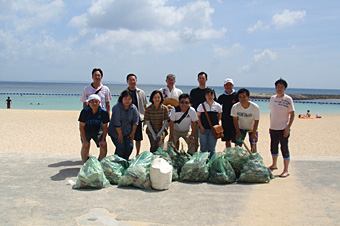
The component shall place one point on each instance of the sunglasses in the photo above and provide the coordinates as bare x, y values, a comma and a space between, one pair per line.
185, 102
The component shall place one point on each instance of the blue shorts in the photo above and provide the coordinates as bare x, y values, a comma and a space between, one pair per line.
244, 134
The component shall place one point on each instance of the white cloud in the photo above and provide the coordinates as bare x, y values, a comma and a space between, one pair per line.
265, 54
288, 18
24, 15
147, 24
226, 52
258, 26
244, 68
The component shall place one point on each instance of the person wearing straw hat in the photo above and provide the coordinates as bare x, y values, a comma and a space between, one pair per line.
93, 121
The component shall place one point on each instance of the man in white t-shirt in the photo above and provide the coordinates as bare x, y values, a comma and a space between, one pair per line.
246, 115
98, 88
181, 118
170, 91
281, 119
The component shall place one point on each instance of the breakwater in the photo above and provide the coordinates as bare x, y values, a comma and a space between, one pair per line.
297, 96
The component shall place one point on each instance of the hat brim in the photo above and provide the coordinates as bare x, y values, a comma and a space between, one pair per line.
171, 101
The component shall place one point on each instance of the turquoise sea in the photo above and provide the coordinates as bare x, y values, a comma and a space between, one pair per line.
65, 96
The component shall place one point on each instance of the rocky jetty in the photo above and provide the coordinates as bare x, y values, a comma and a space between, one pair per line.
296, 96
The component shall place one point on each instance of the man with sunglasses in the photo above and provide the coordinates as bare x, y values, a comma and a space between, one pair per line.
181, 118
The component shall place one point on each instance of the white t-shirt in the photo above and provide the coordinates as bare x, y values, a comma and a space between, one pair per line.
104, 94
246, 116
279, 111
175, 93
185, 124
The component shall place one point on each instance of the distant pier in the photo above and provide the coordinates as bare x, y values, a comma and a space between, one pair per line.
297, 96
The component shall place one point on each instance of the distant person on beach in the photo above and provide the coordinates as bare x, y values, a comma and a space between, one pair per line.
281, 119
214, 111
93, 122
170, 91
9, 102
96, 87
197, 96
156, 116
123, 124
140, 101
227, 100
246, 115
181, 119
308, 115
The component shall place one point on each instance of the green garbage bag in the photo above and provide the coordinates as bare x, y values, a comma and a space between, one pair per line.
254, 171
114, 167
196, 169
237, 156
164, 155
179, 160
171, 150
138, 172
91, 175
220, 170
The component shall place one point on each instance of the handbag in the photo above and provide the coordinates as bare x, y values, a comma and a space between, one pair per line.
217, 130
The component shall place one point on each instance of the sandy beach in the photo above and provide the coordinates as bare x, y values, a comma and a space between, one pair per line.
48, 142
34, 131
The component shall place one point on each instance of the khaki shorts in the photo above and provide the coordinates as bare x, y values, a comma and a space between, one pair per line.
185, 135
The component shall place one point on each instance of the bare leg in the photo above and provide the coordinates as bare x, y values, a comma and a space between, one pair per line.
285, 170
253, 148
138, 144
228, 144
103, 150
274, 164
85, 152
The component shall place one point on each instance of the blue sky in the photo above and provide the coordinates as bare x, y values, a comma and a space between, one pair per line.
253, 42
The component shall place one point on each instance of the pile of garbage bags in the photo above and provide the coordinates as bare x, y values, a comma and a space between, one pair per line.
156, 170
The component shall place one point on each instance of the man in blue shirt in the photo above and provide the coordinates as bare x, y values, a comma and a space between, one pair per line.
93, 122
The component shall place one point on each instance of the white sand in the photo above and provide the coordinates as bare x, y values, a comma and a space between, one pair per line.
38, 131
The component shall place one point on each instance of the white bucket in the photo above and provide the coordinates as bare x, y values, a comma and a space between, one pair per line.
160, 174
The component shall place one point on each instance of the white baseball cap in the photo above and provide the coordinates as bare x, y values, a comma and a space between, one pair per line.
228, 80
92, 97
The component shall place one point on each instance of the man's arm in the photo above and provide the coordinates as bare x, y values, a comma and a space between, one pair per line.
291, 119
84, 105
82, 132
253, 135
104, 130
108, 108
238, 132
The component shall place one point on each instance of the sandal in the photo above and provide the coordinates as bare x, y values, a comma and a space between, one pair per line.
283, 175
272, 168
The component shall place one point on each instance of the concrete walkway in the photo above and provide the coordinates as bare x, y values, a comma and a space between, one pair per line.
33, 191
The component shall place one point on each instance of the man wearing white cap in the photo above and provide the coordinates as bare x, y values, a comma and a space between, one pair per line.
227, 100
93, 122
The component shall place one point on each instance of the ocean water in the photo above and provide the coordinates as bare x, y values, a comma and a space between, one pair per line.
65, 96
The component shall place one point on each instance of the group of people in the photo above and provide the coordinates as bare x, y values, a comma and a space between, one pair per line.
176, 114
